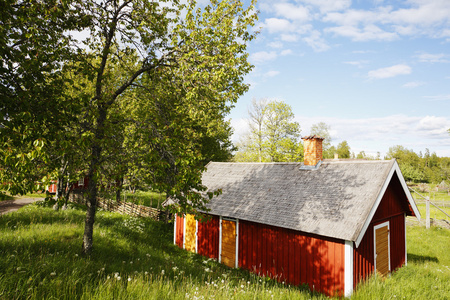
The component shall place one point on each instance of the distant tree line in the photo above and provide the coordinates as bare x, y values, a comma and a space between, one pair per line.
274, 136
420, 167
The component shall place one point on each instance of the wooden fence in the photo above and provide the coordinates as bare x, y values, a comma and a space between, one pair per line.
133, 209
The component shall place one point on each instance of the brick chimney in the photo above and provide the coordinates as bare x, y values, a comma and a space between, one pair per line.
313, 149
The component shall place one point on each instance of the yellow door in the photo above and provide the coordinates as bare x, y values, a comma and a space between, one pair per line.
382, 250
190, 238
228, 255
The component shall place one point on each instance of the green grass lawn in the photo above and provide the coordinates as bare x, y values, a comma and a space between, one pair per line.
134, 258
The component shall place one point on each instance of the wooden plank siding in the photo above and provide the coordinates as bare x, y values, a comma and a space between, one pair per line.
392, 208
292, 257
382, 250
190, 239
208, 238
228, 251
179, 230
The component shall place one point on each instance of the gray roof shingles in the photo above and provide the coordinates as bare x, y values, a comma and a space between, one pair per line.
332, 201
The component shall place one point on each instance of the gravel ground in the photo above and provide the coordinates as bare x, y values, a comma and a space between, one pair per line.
13, 205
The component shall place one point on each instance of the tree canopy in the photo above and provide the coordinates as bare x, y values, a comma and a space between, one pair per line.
145, 91
274, 135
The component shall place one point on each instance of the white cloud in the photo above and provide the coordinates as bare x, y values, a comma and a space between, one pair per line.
330, 5
413, 84
417, 17
286, 52
274, 25
433, 126
292, 12
439, 97
271, 74
379, 134
390, 72
433, 58
276, 45
316, 42
262, 56
289, 37
367, 33
374, 135
357, 63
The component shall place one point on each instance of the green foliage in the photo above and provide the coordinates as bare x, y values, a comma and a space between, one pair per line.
33, 49
274, 136
420, 168
144, 96
323, 130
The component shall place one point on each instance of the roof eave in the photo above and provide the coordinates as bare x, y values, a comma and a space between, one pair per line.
393, 169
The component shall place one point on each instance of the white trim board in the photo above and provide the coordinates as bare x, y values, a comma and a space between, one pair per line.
395, 169
348, 269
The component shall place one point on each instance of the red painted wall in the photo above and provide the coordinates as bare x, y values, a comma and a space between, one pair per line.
392, 208
292, 257
208, 238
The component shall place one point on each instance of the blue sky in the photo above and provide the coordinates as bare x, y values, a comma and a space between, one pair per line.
377, 72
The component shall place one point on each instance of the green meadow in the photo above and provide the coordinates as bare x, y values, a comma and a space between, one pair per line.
134, 258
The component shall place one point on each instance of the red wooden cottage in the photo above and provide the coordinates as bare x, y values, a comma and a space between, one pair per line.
325, 223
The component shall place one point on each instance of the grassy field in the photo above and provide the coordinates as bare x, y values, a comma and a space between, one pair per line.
441, 199
134, 258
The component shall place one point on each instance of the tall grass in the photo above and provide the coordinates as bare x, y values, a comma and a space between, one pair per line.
134, 258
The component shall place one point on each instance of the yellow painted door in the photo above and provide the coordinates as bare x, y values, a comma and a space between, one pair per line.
382, 250
189, 241
228, 255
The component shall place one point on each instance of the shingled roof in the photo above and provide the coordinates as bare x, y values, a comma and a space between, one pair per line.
336, 200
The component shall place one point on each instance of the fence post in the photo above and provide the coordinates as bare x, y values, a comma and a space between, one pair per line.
428, 213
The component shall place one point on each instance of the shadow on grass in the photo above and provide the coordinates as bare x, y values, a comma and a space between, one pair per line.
44, 242
421, 258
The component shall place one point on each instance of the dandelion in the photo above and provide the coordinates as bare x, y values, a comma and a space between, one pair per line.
162, 272
119, 278
146, 273
129, 278
53, 274
175, 268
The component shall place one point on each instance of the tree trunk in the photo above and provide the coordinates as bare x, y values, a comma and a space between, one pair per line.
96, 152
119, 184
91, 208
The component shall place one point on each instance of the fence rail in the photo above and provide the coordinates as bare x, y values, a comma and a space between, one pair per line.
133, 209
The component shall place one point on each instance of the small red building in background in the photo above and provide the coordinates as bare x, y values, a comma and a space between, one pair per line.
79, 185
328, 224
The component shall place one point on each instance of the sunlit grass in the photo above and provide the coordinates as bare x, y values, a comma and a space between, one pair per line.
134, 258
